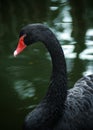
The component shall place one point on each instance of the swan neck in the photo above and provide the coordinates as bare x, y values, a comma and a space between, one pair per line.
58, 85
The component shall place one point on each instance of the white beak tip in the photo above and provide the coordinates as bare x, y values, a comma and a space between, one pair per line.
15, 53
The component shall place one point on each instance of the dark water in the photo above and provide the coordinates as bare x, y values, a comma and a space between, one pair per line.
24, 80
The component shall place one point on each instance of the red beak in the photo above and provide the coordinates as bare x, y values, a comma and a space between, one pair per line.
21, 46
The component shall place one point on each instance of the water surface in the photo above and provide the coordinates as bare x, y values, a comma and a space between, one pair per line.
24, 79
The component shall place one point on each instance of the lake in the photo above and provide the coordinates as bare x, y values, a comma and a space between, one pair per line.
24, 80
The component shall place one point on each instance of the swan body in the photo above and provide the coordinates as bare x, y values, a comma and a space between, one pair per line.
60, 109
78, 113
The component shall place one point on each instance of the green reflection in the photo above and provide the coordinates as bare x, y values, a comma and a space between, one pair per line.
24, 79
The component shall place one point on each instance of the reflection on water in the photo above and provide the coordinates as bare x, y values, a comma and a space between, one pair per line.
87, 54
89, 69
24, 88
24, 79
69, 51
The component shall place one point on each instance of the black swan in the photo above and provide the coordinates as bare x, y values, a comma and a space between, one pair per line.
60, 109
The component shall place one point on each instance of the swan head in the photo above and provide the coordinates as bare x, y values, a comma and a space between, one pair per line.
30, 34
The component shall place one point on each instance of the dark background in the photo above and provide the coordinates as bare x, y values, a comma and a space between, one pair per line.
24, 80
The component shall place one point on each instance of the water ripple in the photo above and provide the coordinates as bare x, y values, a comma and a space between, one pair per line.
87, 54
24, 89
